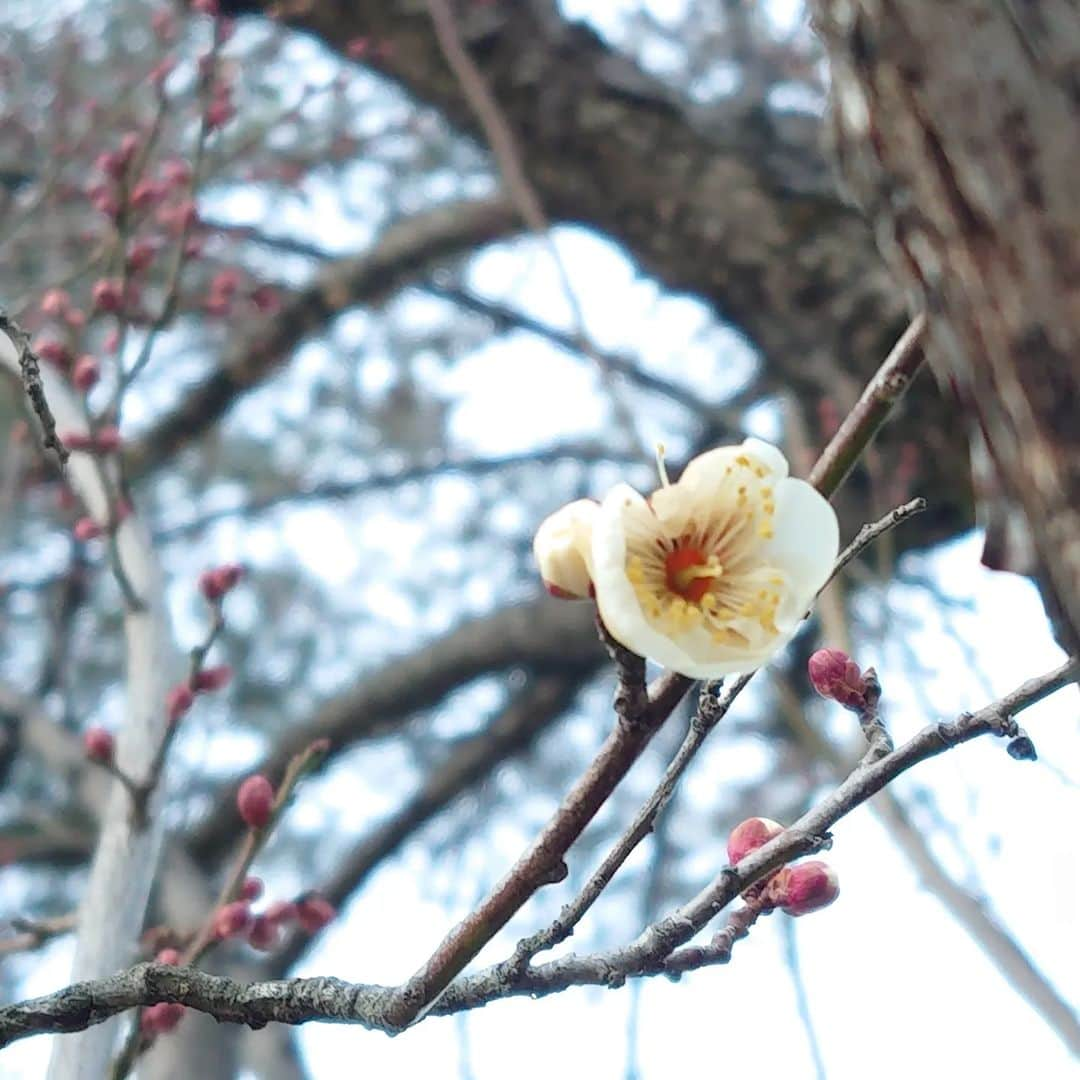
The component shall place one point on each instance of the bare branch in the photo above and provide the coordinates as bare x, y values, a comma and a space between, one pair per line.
406, 249
656, 951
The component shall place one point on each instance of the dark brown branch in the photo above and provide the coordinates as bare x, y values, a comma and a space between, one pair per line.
545, 635
713, 706
516, 728
296, 1001
872, 409
30, 372
406, 250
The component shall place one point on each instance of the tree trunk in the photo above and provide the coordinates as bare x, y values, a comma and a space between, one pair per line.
958, 127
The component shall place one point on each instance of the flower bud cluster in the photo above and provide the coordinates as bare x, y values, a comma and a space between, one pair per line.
795, 890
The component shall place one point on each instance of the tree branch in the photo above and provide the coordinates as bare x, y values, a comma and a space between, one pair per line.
656, 951
406, 250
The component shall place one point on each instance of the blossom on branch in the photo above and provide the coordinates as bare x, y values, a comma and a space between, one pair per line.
562, 549
708, 576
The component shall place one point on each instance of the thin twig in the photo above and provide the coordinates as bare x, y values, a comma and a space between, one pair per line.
254, 840
713, 706
30, 370
661, 949
30, 934
504, 147
872, 409
542, 862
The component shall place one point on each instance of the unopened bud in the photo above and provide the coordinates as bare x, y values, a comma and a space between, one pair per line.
255, 801
107, 295
251, 889
833, 674
107, 440
52, 352
168, 956
264, 934
87, 528
313, 912
78, 440
213, 678
214, 584
281, 912
562, 549
86, 373
749, 835
161, 1018
55, 303
99, 745
232, 920
805, 887
177, 701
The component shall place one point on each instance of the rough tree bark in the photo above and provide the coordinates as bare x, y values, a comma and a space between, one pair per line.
958, 126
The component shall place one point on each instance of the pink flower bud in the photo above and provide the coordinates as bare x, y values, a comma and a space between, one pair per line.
176, 172
833, 674
264, 934
205, 7
78, 440
213, 678
85, 373
219, 112
177, 701
52, 352
357, 48
168, 956
104, 201
252, 888
255, 801
232, 920
217, 306
129, 144
805, 887
75, 318
162, 70
225, 282
110, 163
87, 528
107, 440
265, 299
164, 24
313, 912
140, 255
107, 295
99, 745
146, 193
161, 1018
55, 303
214, 584
749, 835
281, 912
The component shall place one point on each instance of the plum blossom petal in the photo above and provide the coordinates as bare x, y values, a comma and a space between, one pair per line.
713, 574
563, 549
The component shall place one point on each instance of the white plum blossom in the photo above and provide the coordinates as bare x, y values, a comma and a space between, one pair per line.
711, 575
563, 549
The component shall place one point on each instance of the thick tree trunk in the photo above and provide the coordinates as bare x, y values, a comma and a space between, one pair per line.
958, 126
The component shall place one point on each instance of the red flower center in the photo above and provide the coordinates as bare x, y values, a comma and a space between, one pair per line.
684, 569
